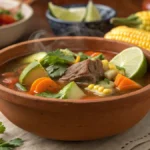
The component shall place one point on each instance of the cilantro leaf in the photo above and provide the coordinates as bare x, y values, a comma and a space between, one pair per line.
2, 128
100, 56
56, 57
11, 144
55, 71
82, 56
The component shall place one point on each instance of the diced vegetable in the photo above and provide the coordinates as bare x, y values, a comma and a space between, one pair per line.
6, 19
111, 74
105, 64
95, 54
20, 87
44, 84
57, 70
32, 72
57, 57
71, 91
123, 83
89, 53
34, 57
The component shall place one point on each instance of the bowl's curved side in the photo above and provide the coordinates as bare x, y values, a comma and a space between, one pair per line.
72, 119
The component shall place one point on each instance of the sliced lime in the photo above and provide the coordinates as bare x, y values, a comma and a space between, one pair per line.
133, 61
72, 14
92, 13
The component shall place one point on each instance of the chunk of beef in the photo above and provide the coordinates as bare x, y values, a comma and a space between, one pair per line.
85, 71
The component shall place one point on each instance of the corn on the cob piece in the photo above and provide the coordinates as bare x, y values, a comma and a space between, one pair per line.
140, 20
133, 36
99, 90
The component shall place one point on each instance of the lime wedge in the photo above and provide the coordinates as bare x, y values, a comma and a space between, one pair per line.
92, 13
72, 14
133, 61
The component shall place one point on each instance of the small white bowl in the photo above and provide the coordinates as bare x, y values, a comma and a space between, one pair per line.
12, 32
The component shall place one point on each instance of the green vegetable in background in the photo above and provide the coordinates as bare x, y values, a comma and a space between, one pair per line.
3, 11
57, 57
10, 145
2, 128
55, 71
18, 16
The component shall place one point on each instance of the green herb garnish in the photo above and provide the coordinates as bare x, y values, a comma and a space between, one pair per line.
2, 128
100, 56
82, 56
57, 57
8, 145
55, 71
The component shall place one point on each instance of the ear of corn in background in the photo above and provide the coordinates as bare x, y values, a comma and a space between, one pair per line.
133, 36
140, 20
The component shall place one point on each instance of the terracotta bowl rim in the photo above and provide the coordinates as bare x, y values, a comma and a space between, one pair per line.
49, 100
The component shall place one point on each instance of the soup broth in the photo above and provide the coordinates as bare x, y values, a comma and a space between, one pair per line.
87, 75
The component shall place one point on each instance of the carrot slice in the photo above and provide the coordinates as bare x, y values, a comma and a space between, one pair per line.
92, 53
89, 53
34, 84
95, 54
46, 84
118, 79
123, 83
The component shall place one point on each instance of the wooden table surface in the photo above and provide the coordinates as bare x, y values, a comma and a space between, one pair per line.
39, 21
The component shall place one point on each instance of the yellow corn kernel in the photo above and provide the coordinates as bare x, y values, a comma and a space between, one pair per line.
105, 64
96, 87
112, 66
137, 37
107, 91
91, 86
100, 89
144, 17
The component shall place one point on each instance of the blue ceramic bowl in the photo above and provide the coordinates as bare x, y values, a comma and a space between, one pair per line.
96, 28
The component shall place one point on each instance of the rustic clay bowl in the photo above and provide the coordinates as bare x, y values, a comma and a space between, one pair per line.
73, 119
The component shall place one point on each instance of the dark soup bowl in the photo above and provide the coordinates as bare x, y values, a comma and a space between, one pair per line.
78, 119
